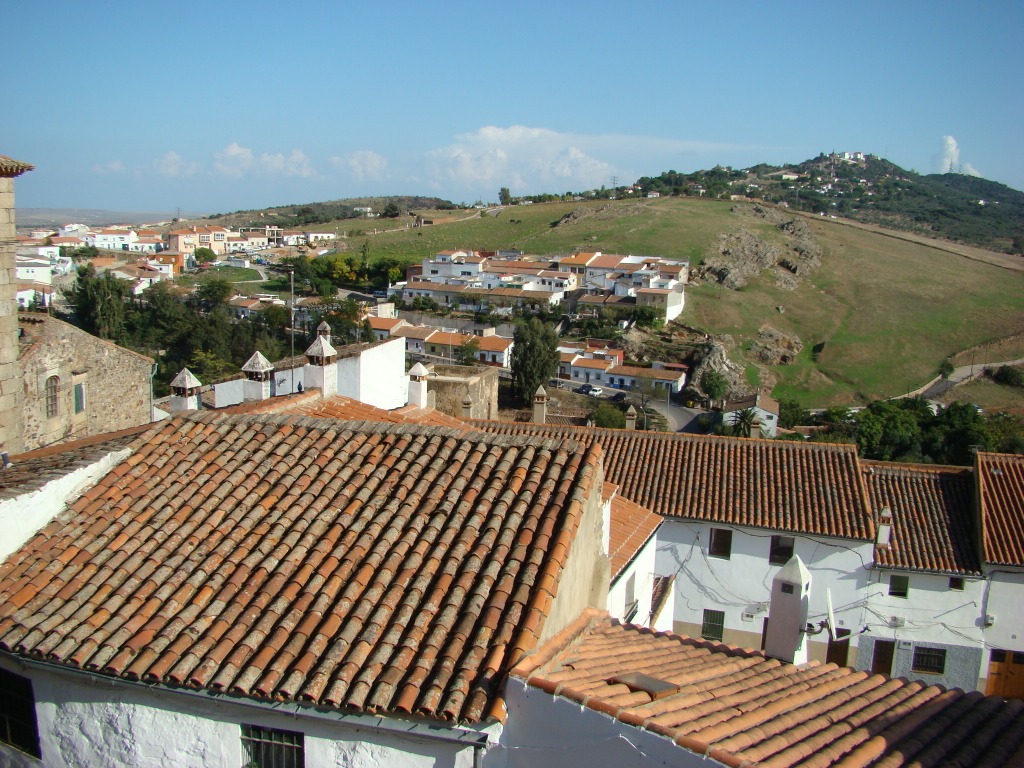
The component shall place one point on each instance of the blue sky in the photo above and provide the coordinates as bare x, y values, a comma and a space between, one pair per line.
219, 106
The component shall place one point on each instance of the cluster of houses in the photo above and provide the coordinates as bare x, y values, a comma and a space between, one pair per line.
499, 282
350, 563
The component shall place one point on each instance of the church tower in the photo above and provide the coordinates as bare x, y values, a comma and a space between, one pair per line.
11, 387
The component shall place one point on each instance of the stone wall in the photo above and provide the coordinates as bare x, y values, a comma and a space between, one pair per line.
451, 384
10, 376
115, 383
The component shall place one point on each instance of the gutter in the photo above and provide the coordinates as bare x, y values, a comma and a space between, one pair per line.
456, 735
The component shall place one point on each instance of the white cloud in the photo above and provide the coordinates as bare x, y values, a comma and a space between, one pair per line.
295, 163
526, 159
234, 160
172, 164
362, 165
948, 159
105, 169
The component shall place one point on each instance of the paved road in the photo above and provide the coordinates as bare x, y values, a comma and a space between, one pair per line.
962, 374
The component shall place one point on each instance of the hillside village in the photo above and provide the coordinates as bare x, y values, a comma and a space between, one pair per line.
346, 556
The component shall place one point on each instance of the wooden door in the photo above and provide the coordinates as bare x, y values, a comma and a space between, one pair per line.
881, 659
839, 649
1006, 674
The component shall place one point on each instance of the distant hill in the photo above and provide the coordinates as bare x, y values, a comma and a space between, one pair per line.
954, 206
300, 215
55, 217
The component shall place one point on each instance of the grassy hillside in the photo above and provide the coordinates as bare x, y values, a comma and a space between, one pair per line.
876, 318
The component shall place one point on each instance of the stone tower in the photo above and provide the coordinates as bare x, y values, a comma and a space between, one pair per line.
11, 387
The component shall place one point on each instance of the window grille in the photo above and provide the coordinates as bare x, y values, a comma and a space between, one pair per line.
713, 627
18, 714
52, 397
272, 747
931, 660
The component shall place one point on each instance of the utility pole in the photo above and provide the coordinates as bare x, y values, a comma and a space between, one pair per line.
291, 326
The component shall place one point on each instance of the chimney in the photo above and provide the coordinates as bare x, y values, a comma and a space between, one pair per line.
786, 637
631, 418
259, 378
540, 406
321, 369
185, 388
884, 529
467, 407
755, 427
418, 394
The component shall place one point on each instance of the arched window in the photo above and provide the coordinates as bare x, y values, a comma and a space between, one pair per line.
52, 400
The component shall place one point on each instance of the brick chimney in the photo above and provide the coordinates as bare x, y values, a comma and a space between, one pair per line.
540, 406
185, 388
259, 378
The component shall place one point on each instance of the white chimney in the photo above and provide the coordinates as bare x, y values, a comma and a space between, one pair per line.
884, 528
418, 394
185, 388
259, 378
786, 638
631, 418
321, 370
540, 406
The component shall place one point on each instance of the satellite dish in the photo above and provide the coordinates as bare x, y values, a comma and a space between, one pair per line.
831, 614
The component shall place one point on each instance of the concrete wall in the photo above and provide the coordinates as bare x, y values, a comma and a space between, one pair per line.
583, 582
742, 584
116, 381
544, 730
452, 383
642, 569
962, 662
11, 392
88, 721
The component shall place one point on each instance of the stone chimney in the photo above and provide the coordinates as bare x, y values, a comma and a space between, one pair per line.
185, 388
467, 407
755, 427
540, 406
418, 394
259, 378
631, 418
321, 369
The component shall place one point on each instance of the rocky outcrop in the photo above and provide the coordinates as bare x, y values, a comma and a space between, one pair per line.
773, 347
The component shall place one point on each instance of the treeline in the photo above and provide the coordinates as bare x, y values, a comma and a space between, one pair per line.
195, 329
908, 430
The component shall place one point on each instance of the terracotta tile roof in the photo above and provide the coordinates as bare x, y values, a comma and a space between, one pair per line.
812, 488
655, 374
661, 593
9, 167
932, 516
589, 362
759, 400
382, 568
494, 343
741, 708
347, 409
1000, 495
631, 528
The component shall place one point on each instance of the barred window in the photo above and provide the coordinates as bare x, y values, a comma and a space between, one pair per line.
713, 626
52, 397
18, 714
272, 747
929, 660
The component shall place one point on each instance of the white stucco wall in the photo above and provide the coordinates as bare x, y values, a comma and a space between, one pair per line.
544, 730
376, 376
1005, 596
743, 582
22, 516
86, 722
642, 567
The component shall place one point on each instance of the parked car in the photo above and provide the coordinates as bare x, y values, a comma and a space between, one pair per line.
619, 397
595, 392
583, 389
555, 384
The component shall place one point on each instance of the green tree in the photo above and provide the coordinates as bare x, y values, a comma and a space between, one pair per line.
204, 255
714, 385
534, 357
888, 431
608, 416
743, 422
99, 302
504, 196
946, 368
391, 211
467, 352
792, 414
1018, 244
1008, 376
214, 292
